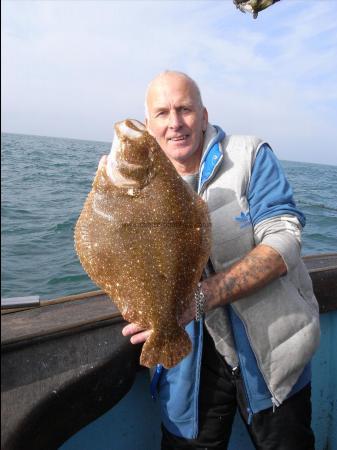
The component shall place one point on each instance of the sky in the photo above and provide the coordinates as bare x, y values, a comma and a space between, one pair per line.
74, 68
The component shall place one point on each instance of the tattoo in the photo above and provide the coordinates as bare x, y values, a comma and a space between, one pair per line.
261, 266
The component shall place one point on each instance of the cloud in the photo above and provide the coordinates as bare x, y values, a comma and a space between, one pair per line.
73, 68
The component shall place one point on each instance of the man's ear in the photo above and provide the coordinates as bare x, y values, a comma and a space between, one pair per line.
204, 119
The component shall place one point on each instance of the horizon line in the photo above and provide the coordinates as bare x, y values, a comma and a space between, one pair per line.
109, 142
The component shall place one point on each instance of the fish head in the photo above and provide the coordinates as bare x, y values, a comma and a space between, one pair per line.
130, 162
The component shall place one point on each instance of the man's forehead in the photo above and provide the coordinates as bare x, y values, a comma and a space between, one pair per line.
171, 89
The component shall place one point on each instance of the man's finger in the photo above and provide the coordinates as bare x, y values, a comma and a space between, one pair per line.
139, 338
131, 328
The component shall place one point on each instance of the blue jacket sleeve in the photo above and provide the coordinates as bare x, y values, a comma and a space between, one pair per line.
269, 192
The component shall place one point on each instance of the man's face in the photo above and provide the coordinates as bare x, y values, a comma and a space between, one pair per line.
176, 119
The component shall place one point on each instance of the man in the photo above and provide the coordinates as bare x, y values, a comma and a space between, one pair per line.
261, 325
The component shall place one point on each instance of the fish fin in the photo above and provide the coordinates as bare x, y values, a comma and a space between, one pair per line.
166, 349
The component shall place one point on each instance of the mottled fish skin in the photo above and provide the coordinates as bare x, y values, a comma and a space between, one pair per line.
146, 241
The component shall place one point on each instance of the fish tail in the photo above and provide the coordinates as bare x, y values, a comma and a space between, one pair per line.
165, 349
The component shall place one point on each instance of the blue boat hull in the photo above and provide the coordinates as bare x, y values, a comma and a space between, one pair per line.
134, 423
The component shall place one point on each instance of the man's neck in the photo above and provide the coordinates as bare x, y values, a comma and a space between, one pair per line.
190, 166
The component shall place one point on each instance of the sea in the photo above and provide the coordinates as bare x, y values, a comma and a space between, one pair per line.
45, 181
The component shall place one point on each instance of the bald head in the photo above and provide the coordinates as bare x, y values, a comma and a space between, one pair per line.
166, 77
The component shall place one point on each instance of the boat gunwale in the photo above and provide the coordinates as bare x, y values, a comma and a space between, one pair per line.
102, 319
29, 339
98, 293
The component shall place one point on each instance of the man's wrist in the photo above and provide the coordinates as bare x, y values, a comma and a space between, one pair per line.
213, 290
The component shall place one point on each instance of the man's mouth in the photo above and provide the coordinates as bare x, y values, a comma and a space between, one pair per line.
178, 138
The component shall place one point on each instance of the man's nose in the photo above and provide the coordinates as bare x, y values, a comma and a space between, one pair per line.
175, 121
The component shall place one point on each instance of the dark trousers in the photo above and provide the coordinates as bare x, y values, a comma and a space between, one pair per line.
221, 392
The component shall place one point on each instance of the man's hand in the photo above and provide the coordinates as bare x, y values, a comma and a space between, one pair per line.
139, 334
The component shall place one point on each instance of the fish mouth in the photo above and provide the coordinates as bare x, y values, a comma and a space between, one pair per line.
129, 162
128, 144
130, 128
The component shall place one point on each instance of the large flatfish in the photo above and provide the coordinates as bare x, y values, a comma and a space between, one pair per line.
143, 236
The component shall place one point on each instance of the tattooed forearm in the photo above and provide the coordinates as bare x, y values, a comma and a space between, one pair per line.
262, 265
